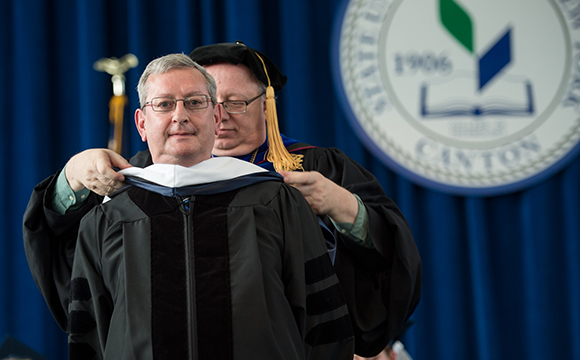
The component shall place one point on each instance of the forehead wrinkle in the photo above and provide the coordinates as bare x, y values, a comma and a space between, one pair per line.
238, 94
166, 83
187, 95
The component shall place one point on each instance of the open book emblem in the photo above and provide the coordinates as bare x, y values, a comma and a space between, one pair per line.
449, 99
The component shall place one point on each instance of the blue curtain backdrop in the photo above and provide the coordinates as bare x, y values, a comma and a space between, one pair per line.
501, 274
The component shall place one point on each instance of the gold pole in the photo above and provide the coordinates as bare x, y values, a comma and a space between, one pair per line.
116, 68
116, 109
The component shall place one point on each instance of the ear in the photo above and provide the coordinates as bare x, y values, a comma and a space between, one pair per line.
140, 124
265, 109
217, 115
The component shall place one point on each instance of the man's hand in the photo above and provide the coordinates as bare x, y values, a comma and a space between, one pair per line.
93, 169
324, 196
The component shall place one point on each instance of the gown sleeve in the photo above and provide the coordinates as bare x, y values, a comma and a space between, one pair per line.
91, 304
49, 244
50, 239
382, 286
323, 315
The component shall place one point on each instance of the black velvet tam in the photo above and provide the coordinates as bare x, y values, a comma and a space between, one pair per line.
236, 53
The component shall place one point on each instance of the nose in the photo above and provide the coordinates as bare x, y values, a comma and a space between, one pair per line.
180, 114
225, 114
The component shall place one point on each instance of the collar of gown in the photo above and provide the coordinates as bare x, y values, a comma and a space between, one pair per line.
208, 171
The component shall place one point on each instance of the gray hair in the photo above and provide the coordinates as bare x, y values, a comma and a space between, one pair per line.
169, 62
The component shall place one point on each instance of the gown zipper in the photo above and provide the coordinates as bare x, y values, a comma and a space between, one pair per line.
185, 208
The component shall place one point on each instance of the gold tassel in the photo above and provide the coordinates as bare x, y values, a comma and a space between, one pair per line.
278, 155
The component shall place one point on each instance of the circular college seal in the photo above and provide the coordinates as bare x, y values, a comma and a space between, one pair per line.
467, 97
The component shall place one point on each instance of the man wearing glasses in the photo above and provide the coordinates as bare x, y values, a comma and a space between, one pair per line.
376, 259
201, 257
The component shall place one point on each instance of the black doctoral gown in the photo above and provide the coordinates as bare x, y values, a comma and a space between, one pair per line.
237, 269
382, 286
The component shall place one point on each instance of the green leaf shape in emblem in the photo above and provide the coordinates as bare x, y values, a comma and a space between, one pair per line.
457, 22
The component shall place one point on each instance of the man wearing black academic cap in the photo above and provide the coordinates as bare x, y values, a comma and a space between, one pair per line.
376, 258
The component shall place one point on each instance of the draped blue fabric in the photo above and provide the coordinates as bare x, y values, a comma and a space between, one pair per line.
501, 274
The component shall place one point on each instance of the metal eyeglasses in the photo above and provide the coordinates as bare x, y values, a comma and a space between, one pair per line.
238, 106
167, 104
